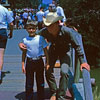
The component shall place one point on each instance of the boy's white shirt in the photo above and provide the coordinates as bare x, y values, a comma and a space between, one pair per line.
35, 46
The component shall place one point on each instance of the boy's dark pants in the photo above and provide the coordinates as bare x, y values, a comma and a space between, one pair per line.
31, 67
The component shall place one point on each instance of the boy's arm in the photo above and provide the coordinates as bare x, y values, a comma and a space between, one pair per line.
47, 58
23, 61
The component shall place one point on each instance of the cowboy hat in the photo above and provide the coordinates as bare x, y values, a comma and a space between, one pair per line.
51, 18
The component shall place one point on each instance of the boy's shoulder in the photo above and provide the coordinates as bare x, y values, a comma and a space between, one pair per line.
39, 36
25, 38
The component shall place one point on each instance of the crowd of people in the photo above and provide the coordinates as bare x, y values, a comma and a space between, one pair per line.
51, 29
22, 15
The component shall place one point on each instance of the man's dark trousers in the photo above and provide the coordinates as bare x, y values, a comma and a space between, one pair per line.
65, 64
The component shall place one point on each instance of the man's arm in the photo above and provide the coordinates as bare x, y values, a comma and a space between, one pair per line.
11, 30
80, 52
77, 44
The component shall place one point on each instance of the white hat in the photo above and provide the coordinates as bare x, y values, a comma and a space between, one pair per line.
51, 18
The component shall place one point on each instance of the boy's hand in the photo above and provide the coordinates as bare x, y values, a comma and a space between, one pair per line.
22, 46
23, 70
86, 66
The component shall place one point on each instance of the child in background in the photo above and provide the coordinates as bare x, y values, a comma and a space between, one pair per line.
21, 23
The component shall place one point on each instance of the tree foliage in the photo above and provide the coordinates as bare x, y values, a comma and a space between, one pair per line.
86, 18
23, 3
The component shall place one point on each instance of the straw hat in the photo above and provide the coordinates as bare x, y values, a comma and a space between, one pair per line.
51, 18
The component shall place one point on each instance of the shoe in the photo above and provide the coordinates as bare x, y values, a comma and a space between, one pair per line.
53, 97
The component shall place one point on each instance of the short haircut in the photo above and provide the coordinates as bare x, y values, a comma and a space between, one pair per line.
41, 8
31, 23
53, 7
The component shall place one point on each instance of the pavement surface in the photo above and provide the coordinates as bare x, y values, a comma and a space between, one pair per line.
13, 84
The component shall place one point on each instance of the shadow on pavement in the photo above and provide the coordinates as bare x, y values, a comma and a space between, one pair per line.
21, 96
4, 74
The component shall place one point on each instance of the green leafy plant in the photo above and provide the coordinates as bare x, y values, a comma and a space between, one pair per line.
96, 95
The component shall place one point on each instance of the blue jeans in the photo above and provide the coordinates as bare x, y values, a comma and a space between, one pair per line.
31, 67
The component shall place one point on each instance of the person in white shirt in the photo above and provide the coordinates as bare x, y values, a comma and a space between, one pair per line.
60, 12
11, 12
51, 8
25, 17
39, 18
5, 18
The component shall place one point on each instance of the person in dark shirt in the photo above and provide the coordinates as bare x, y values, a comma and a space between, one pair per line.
60, 38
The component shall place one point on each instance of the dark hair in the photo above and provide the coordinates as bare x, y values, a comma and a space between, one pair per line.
31, 22
53, 8
41, 8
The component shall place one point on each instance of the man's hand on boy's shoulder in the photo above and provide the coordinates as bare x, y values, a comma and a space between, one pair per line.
22, 46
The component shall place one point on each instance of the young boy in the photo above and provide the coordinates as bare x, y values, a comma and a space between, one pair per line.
36, 48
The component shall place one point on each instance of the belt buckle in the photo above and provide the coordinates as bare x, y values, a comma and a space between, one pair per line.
34, 58
37, 58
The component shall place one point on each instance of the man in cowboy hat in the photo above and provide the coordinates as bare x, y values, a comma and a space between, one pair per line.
60, 38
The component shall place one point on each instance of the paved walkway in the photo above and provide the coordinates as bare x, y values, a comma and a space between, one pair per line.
13, 85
